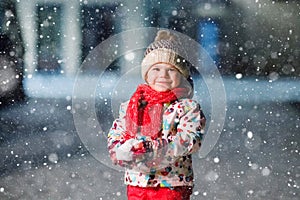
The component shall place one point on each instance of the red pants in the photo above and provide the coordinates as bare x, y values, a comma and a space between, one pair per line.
158, 193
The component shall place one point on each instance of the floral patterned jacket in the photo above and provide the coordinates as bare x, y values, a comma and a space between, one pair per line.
169, 164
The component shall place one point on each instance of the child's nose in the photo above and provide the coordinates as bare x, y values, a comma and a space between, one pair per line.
163, 73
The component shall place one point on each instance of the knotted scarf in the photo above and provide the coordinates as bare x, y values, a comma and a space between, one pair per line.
145, 109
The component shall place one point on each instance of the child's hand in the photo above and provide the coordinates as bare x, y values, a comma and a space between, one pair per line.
139, 147
133, 150
124, 152
142, 147
142, 151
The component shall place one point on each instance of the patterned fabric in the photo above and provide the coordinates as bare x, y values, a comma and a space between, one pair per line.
167, 44
169, 164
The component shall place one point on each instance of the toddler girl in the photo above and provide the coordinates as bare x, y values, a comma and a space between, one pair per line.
160, 127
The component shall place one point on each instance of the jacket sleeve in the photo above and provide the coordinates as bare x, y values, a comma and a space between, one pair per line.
116, 138
189, 130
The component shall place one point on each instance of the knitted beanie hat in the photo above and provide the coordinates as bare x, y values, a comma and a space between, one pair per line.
166, 48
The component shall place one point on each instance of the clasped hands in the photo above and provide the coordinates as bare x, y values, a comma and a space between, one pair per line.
133, 149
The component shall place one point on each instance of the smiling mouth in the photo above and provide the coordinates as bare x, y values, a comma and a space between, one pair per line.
164, 82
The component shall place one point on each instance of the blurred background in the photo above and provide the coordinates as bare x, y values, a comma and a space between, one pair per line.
255, 45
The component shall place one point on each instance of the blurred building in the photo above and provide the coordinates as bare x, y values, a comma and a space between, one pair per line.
247, 37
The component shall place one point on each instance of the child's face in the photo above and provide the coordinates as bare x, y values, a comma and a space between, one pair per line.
162, 77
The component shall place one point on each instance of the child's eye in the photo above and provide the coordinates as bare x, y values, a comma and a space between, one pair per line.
155, 69
173, 70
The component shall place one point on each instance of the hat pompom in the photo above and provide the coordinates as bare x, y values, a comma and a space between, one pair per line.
165, 35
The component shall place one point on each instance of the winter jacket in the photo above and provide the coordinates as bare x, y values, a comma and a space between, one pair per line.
169, 164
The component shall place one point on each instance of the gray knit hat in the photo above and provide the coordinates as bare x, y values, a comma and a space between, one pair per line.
166, 48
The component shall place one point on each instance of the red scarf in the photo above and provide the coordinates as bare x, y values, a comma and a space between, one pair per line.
145, 109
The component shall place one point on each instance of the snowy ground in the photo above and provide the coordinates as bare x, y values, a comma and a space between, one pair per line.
256, 157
